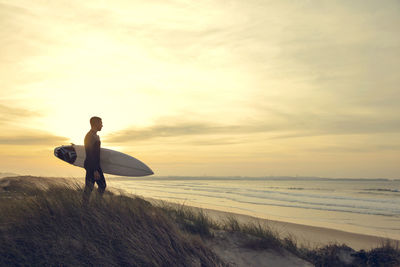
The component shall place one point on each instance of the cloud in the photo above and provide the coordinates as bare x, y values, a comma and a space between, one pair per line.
216, 141
367, 148
12, 134
175, 130
33, 138
283, 125
13, 114
317, 62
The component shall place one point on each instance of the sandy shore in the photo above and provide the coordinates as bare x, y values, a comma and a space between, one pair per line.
308, 235
304, 234
229, 245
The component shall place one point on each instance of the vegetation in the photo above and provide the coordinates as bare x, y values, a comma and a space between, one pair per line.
50, 227
264, 237
47, 225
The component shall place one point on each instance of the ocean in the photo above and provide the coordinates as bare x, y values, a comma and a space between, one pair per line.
365, 206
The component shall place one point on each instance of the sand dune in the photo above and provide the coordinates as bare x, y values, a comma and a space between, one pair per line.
227, 245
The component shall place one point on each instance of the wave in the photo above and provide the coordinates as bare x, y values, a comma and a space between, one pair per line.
285, 196
383, 190
335, 208
281, 199
227, 189
250, 178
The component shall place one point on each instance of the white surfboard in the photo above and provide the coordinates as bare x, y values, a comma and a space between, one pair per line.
111, 161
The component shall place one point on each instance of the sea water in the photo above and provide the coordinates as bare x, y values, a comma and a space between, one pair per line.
365, 206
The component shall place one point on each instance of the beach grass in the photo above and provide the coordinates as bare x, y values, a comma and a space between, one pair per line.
51, 228
46, 224
262, 236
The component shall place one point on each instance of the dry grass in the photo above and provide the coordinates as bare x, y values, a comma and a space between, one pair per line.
48, 225
51, 227
264, 237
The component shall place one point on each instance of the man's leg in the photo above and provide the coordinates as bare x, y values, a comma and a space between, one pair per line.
89, 183
101, 183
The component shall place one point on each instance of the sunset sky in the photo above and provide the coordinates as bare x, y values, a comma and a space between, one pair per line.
250, 88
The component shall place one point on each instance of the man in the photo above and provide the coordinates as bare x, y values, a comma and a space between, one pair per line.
92, 166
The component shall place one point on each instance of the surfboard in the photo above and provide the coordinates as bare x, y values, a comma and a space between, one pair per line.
111, 161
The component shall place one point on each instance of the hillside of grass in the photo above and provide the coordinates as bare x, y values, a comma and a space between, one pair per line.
43, 223
257, 237
49, 227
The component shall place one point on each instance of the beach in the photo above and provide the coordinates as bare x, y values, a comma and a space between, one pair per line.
305, 234
228, 245
318, 211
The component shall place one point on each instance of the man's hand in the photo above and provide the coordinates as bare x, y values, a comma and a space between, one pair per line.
96, 175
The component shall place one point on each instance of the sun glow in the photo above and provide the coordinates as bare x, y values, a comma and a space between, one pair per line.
232, 88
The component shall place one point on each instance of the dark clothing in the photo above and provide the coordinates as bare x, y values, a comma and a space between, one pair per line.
92, 149
89, 184
92, 164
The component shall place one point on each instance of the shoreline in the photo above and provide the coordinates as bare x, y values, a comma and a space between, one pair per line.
304, 234
307, 235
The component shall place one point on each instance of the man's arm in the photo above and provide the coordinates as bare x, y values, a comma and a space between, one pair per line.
96, 158
96, 155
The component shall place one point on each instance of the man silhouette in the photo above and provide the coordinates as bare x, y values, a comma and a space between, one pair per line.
94, 173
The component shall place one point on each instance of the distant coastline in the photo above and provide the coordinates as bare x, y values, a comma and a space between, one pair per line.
6, 174
255, 178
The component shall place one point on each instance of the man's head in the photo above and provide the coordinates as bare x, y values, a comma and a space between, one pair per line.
96, 123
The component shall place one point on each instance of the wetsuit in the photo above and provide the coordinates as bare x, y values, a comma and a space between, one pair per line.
92, 164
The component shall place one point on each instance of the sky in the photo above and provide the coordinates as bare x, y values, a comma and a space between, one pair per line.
217, 88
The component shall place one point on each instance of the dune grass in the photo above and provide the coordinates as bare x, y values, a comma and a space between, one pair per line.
264, 237
194, 222
47, 225
51, 228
